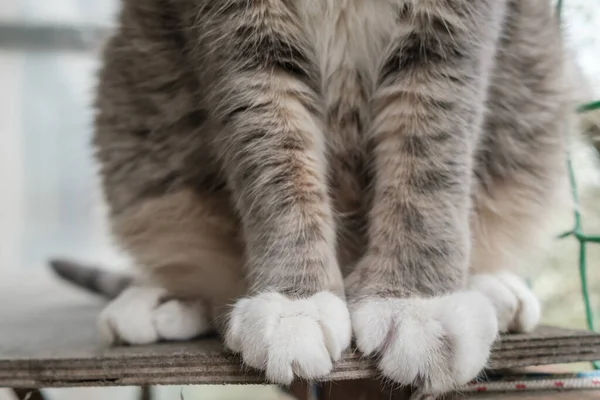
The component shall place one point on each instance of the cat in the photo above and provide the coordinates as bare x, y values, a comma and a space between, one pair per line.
295, 173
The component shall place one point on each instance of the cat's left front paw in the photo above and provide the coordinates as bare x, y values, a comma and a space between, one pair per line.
435, 343
290, 337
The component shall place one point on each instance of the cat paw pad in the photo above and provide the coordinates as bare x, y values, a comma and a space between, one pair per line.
288, 338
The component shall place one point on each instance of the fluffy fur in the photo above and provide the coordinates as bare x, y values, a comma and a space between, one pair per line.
308, 154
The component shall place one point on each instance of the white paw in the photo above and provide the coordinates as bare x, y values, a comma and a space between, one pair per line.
518, 309
435, 343
141, 316
287, 337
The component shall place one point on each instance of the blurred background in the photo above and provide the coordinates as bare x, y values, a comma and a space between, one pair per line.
49, 199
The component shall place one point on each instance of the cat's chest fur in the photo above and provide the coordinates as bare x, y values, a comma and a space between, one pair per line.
349, 38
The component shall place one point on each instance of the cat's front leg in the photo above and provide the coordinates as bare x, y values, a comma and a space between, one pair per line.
294, 321
408, 298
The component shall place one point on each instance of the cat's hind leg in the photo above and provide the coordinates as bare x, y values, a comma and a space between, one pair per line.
521, 190
187, 249
517, 308
143, 315
137, 313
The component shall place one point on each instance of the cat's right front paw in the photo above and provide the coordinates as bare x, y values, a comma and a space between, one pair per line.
287, 337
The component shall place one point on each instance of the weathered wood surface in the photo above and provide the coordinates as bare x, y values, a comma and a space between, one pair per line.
48, 339
374, 390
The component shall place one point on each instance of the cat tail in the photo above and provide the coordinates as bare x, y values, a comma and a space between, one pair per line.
108, 284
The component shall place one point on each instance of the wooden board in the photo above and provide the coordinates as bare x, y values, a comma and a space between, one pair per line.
374, 390
575, 395
48, 339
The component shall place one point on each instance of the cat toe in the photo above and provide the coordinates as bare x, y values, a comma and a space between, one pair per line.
181, 320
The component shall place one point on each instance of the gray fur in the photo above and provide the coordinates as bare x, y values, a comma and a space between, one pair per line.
185, 103
285, 145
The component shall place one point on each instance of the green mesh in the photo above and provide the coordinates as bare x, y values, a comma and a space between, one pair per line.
577, 231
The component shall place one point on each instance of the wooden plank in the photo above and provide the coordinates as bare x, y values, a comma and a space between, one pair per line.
572, 395
48, 339
377, 390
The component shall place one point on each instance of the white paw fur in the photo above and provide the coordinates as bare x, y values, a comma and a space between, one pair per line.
287, 337
435, 343
140, 316
518, 309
